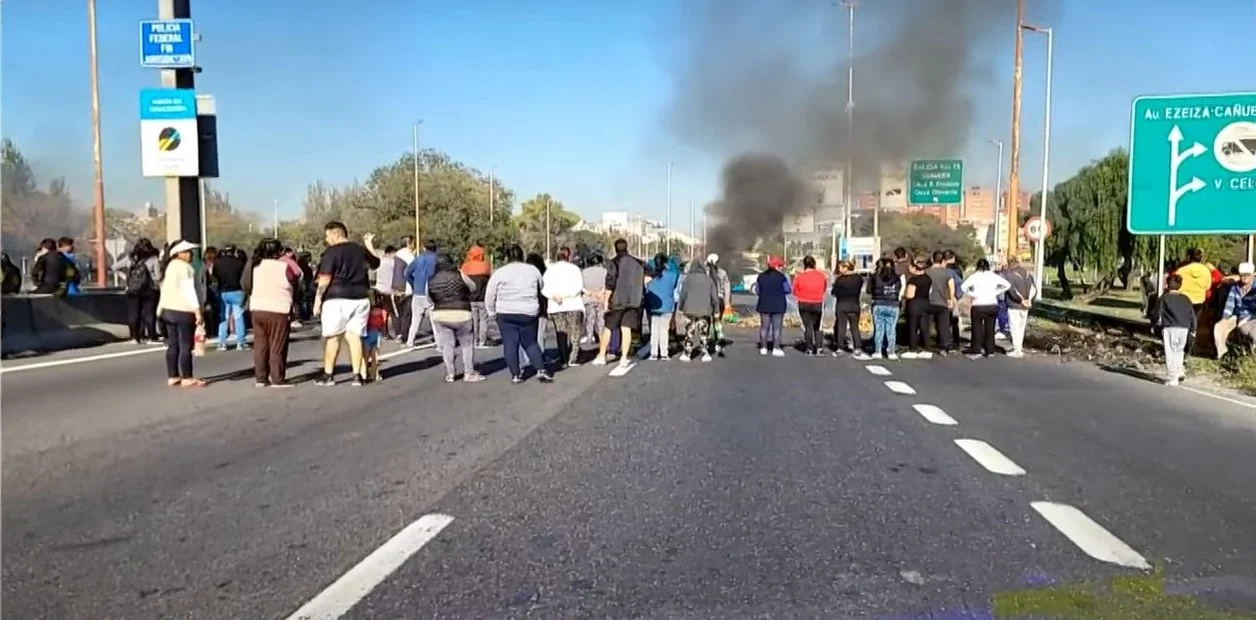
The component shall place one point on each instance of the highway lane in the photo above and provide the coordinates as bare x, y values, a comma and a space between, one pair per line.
749, 487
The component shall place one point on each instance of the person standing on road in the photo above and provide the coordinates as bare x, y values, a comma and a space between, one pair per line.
1019, 298
270, 286
809, 288
983, 287
773, 290
478, 269
343, 300
1239, 312
453, 325
1177, 322
660, 304
624, 294
699, 300
594, 276
886, 287
919, 286
902, 263
563, 288
179, 307
942, 296
848, 287
542, 318
229, 273
724, 289
957, 279
406, 254
417, 273
143, 281
390, 285
513, 299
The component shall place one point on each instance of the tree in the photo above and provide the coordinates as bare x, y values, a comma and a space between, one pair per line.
532, 222
27, 213
921, 233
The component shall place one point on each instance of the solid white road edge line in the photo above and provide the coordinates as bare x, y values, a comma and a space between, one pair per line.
622, 369
1226, 399
400, 352
989, 457
935, 415
898, 387
880, 371
1090, 537
338, 598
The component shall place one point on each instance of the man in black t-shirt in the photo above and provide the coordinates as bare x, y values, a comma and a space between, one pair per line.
343, 301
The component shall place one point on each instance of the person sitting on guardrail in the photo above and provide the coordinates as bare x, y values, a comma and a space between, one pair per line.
65, 246
52, 271
1239, 314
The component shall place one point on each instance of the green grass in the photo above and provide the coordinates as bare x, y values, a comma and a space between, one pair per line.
1236, 370
1136, 597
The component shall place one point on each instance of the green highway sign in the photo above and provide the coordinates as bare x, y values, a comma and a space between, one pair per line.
1193, 164
936, 182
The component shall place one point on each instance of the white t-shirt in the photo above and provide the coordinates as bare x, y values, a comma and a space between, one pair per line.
984, 287
407, 255
565, 280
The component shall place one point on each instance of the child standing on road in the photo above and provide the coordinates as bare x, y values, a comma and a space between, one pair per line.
376, 323
1176, 319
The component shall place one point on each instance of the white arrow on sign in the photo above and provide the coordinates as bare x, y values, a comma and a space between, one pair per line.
1179, 156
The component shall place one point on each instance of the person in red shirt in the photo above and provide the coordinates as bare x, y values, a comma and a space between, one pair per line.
376, 323
809, 287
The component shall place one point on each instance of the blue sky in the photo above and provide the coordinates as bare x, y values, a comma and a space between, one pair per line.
559, 95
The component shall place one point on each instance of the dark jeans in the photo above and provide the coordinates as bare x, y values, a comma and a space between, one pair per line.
143, 314
917, 327
519, 330
812, 338
271, 332
180, 336
847, 318
941, 316
955, 339
399, 315
984, 319
770, 330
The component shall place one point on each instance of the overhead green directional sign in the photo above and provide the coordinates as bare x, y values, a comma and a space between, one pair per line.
1193, 164
936, 182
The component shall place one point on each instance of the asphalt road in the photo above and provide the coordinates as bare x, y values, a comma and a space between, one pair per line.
749, 487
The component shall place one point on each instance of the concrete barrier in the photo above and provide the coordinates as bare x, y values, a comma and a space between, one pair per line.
41, 323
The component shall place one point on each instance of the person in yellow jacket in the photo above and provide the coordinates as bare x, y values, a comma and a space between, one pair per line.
1198, 278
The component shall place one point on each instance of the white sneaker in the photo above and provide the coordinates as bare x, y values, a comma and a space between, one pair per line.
778, 353
861, 356
1016, 354
910, 355
893, 357
684, 357
706, 357
924, 355
599, 361
1172, 383
763, 351
876, 356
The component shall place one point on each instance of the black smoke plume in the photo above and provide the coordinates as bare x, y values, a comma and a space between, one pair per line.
771, 78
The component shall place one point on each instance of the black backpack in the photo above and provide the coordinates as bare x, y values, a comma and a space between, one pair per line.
139, 277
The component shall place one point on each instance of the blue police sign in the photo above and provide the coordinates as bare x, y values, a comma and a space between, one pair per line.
167, 44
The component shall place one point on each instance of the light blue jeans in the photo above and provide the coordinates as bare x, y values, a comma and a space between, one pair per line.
232, 310
884, 326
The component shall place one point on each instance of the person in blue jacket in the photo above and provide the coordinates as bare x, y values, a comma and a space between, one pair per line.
772, 288
660, 303
417, 273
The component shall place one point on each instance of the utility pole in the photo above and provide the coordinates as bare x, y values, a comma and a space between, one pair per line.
998, 202
1013, 180
1041, 244
669, 208
849, 182
548, 201
418, 242
492, 187
692, 239
183, 194
98, 200
274, 218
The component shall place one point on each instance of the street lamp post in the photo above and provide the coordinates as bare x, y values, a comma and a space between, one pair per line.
850, 129
417, 232
1041, 245
547, 227
998, 201
669, 208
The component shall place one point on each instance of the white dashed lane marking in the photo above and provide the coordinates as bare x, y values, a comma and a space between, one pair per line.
621, 369
353, 586
1090, 537
989, 457
880, 371
934, 414
898, 387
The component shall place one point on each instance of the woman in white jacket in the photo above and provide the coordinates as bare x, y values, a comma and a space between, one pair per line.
563, 287
983, 288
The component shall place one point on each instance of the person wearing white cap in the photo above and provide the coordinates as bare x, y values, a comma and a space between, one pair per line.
1239, 313
179, 307
724, 292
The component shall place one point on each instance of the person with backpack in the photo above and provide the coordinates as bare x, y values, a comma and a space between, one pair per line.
143, 282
